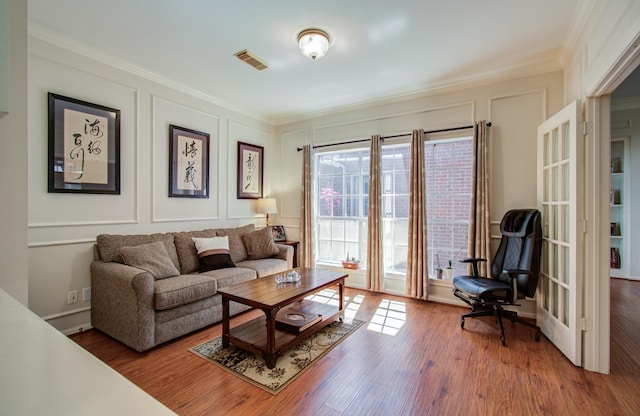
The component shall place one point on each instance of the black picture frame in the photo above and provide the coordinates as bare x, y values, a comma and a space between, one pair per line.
278, 233
188, 163
250, 171
84, 147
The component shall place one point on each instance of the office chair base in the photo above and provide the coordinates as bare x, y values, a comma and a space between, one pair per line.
500, 312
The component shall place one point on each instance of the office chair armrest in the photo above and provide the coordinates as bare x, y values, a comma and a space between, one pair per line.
512, 273
474, 262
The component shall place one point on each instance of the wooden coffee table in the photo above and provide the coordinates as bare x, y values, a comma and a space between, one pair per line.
260, 335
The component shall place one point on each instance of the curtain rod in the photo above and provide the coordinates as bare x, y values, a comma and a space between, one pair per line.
394, 136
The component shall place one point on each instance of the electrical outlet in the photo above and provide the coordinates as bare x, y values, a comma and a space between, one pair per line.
72, 297
86, 294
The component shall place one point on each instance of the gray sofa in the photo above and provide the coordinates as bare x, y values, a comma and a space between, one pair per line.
143, 306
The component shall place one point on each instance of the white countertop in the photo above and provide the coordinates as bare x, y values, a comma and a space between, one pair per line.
42, 372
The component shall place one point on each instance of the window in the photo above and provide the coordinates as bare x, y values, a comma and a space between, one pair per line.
396, 165
342, 190
449, 167
341, 196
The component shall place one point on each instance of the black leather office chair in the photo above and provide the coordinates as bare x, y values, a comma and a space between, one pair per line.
515, 271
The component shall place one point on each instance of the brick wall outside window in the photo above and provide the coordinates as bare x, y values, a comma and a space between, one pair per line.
448, 182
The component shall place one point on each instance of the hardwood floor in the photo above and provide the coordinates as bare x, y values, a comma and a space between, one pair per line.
420, 362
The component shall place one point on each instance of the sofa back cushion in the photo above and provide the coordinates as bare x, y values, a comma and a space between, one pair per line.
187, 254
151, 257
236, 246
259, 244
109, 245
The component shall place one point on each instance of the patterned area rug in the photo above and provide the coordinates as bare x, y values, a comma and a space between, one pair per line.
289, 365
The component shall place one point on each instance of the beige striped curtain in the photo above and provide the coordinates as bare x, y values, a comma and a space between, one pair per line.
480, 217
375, 269
417, 264
305, 251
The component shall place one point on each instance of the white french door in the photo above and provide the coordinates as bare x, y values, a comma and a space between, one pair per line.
560, 164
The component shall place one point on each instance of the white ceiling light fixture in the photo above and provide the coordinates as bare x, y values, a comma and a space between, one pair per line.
313, 43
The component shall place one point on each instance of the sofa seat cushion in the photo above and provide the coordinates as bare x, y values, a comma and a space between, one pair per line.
230, 277
183, 289
109, 245
186, 250
172, 314
236, 246
264, 267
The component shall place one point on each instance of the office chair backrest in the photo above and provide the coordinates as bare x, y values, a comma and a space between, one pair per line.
520, 248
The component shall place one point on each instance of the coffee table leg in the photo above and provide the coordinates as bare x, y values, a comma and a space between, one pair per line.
270, 359
225, 322
270, 355
341, 299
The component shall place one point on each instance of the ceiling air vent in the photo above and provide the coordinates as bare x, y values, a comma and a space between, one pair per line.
250, 59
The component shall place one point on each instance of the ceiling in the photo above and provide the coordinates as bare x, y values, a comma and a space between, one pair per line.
379, 49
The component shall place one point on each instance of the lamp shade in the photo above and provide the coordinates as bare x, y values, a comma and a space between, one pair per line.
267, 206
313, 43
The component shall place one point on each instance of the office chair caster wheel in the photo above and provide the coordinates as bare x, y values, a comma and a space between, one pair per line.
538, 335
462, 323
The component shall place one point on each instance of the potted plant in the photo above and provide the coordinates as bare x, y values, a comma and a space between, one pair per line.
439, 268
350, 263
448, 272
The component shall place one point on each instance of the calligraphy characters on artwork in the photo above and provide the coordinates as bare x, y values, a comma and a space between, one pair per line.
188, 163
250, 171
250, 160
84, 159
84, 147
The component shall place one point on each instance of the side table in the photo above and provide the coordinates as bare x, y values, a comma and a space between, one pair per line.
293, 244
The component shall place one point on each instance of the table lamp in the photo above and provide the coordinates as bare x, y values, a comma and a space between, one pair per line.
267, 206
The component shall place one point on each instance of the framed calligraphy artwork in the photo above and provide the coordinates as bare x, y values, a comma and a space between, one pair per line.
84, 147
188, 163
250, 171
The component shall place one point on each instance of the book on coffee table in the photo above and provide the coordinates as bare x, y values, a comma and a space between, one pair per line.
296, 320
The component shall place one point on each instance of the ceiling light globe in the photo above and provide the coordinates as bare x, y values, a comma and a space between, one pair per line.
313, 43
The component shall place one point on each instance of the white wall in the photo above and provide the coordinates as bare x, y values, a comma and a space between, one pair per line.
62, 227
515, 108
13, 160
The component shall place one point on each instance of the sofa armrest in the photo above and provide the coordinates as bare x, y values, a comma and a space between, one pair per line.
122, 303
286, 253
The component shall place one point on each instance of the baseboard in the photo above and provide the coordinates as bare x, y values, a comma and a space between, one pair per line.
71, 322
76, 329
447, 300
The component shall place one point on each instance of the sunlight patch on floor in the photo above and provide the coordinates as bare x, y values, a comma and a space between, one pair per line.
352, 306
332, 297
389, 318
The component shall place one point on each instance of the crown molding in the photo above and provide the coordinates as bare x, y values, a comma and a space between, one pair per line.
508, 73
521, 70
38, 32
